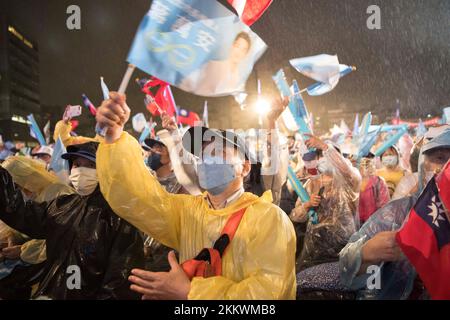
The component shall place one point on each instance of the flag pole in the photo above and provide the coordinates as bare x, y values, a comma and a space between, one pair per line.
122, 89
126, 79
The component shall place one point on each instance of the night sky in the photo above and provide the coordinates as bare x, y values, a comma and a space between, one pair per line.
408, 59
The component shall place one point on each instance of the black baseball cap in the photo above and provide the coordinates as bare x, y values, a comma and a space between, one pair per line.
86, 150
150, 143
195, 137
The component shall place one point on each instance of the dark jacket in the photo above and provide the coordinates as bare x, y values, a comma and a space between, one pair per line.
80, 231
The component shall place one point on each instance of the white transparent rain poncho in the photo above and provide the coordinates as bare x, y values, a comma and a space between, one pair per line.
337, 212
397, 278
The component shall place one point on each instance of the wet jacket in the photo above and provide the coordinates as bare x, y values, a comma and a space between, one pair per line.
337, 213
80, 231
259, 263
397, 278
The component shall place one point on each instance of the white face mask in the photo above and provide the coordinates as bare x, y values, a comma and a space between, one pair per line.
324, 166
311, 164
390, 161
84, 180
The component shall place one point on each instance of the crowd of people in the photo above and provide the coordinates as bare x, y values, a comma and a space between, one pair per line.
208, 214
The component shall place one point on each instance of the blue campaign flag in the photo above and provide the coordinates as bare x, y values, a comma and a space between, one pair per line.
367, 143
197, 45
391, 141
320, 88
105, 89
421, 129
139, 122
147, 131
57, 163
365, 124
323, 68
296, 104
35, 132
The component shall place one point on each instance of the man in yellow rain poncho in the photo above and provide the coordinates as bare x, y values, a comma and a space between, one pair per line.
259, 261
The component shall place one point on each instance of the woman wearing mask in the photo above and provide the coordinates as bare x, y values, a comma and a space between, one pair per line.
339, 186
374, 191
391, 171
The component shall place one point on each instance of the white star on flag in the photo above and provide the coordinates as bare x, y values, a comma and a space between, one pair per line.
436, 210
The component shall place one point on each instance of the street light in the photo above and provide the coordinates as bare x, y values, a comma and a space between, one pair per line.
262, 106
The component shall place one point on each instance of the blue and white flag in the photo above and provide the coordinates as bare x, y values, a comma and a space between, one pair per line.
105, 90
197, 45
35, 132
139, 122
58, 164
323, 68
421, 129
294, 118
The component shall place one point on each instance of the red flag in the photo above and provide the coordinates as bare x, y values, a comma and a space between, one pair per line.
163, 99
250, 10
88, 104
425, 238
74, 124
188, 117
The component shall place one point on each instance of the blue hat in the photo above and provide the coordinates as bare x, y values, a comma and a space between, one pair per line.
442, 141
86, 150
310, 156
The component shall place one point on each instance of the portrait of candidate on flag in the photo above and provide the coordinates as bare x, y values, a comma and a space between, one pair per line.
198, 46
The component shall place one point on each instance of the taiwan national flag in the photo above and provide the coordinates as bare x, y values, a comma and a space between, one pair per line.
425, 238
162, 100
188, 118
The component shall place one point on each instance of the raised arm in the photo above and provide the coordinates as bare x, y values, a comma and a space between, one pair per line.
131, 191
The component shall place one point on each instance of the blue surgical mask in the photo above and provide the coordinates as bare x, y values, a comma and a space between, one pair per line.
214, 175
154, 162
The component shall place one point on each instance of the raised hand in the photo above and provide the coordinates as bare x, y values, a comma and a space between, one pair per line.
113, 114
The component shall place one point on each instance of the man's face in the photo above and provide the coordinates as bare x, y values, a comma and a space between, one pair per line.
163, 152
230, 155
239, 50
434, 161
217, 149
44, 157
80, 162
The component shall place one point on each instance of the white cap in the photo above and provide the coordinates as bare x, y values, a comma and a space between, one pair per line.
44, 150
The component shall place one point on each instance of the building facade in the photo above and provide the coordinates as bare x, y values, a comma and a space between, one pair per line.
19, 81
